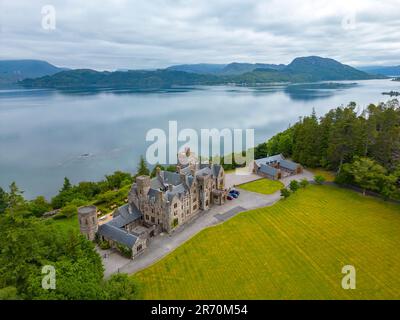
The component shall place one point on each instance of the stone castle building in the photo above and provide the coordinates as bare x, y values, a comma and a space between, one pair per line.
163, 203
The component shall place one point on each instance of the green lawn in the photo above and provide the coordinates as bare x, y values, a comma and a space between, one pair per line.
264, 186
328, 175
294, 249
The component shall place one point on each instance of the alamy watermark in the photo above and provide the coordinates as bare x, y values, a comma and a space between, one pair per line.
48, 17
349, 280
49, 278
213, 144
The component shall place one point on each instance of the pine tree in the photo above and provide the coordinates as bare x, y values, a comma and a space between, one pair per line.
142, 168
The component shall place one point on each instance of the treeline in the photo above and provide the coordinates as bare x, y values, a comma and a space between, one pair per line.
28, 242
363, 148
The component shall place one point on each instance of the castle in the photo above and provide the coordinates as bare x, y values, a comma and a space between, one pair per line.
159, 204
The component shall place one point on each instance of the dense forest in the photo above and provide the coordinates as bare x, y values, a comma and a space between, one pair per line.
30, 241
362, 147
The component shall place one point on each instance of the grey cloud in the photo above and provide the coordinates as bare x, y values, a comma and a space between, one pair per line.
150, 34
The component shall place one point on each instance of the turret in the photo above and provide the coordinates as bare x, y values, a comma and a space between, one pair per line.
88, 223
143, 185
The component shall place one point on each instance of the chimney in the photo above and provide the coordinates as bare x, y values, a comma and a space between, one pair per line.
178, 169
159, 196
158, 171
183, 177
170, 186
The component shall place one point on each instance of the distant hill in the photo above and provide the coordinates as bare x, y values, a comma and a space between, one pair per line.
12, 71
134, 79
305, 69
200, 68
233, 68
240, 68
320, 69
390, 71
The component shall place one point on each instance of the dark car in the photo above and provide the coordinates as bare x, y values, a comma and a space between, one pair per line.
229, 197
234, 191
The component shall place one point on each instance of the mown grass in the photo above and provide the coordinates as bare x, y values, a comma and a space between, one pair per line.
264, 186
294, 249
328, 175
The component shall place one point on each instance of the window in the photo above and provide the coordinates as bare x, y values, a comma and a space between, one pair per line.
195, 207
147, 217
175, 205
153, 220
139, 247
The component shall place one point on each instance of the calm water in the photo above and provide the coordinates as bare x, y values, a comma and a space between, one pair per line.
46, 135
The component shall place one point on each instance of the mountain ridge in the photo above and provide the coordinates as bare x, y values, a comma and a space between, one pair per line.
302, 69
12, 71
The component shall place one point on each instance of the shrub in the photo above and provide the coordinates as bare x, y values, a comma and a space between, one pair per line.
285, 193
104, 245
127, 252
319, 179
294, 185
69, 211
304, 183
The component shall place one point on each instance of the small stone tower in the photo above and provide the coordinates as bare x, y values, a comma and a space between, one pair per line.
88, 223
143, 185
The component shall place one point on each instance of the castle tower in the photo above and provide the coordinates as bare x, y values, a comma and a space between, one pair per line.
143, 185
88, 223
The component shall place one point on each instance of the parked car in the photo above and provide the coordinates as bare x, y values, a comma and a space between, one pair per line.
229, 197
234, 195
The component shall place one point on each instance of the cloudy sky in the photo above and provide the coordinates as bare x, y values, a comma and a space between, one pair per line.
156, 33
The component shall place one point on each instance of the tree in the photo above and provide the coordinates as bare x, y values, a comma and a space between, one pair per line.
39, 206
285, 193
3, 200
67, 185
319, 179
368, 174
294, 185
306, 145
120, 287
142, 168
15, 198
304, 183
261, 151
118, 179
69, 210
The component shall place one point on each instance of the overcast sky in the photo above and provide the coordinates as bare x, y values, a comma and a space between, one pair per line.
156, 33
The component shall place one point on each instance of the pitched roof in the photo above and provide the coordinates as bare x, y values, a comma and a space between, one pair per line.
266, 169
125, 215
171, 177
118, 235
216, 169
288, 164
275, 158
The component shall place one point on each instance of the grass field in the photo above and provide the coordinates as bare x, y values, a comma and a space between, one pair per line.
264, 186
294, 249
328, 175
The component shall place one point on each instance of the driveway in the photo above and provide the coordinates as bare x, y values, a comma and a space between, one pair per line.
163, 244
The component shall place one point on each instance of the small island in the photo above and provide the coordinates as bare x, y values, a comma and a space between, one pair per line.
391, 93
